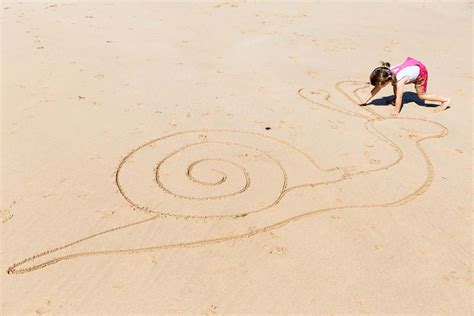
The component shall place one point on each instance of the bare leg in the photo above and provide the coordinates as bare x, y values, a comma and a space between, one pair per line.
432, 97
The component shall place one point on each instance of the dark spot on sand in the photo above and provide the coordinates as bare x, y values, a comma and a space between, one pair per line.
268, 128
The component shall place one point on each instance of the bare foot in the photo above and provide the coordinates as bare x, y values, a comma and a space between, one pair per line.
444, 105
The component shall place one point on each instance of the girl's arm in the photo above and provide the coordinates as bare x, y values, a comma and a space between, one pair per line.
399, 96
372, 93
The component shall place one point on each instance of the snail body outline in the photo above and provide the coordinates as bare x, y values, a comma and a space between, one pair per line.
370, 121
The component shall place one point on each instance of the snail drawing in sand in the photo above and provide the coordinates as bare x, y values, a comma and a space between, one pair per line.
211, 186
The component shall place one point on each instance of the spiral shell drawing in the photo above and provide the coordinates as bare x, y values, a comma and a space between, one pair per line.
204, 187
212, 173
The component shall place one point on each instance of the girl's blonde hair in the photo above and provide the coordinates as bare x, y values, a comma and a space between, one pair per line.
381, 74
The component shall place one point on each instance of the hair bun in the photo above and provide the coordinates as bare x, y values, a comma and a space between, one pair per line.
385, 64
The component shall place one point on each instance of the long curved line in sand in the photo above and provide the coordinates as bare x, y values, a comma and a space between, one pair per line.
368, 120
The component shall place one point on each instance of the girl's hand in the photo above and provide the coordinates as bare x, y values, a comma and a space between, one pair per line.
394, 113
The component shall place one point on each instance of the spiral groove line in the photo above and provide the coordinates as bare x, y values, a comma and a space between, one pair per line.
368, 124
189, 172
245, 173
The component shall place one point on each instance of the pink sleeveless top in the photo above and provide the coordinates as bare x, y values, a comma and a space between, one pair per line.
422, 78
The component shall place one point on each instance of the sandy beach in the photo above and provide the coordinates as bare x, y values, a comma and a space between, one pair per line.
211, 158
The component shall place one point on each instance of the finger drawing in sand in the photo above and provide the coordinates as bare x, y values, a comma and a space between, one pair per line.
204, 184
410, 71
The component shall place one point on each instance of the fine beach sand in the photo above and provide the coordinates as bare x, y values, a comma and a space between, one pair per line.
211, 158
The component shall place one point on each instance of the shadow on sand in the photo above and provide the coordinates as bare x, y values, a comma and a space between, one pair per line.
407, 98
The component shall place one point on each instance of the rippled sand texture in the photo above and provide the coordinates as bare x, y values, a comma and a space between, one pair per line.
211, 158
